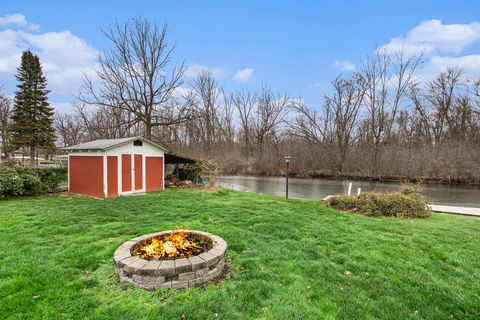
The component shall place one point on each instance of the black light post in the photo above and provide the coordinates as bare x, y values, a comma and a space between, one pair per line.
287, 163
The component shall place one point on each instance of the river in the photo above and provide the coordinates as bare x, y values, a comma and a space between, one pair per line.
316, 188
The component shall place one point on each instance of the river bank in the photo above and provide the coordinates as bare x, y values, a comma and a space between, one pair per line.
318, 188
471, 181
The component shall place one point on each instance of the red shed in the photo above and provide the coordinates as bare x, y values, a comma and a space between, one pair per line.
113, 167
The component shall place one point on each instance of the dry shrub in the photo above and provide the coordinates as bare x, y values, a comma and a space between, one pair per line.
211, 168
408, 203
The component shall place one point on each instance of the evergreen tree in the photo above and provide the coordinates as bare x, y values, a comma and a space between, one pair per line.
32, 116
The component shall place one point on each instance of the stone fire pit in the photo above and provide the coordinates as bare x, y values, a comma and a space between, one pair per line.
172, 273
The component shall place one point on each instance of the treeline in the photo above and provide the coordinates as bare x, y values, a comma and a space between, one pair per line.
382, 122
375, 125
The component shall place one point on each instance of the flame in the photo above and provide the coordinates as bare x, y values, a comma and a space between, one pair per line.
155, 249
175, 245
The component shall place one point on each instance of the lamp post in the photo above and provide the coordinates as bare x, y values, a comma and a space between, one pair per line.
287, 164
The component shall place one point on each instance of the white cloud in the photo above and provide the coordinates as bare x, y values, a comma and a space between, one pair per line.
432, 35
343, 65
64, 57
194, 69
436, 64
9, 52
182, 91
442, 46
18, 20
243, 75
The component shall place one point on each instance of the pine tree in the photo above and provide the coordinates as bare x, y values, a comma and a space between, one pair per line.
32, 116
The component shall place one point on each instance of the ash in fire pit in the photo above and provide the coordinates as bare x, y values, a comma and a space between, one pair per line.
171, 259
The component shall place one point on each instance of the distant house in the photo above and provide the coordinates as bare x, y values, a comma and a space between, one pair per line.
108, 168
61, 160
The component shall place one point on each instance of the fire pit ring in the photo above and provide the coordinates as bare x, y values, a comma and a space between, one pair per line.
176, 273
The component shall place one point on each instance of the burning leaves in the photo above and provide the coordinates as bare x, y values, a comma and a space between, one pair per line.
178, 244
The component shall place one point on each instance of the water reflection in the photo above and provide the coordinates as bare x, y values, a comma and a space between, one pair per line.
319, 188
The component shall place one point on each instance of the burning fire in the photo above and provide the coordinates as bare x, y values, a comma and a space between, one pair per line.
176, 245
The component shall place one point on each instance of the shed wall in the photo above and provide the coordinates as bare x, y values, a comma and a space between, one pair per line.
86, 175
138, 165
126, 176
154, 167
112, 176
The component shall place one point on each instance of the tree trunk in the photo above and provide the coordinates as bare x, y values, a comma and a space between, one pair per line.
33, 163
148, 129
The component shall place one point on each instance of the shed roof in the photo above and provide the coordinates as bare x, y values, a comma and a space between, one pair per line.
106, 144
173, 158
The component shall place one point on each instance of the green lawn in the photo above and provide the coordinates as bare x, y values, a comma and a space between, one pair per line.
295, 260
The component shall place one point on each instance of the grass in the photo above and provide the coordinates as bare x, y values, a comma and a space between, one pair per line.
295, 260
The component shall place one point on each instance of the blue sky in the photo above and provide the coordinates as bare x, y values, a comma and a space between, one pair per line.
293, 46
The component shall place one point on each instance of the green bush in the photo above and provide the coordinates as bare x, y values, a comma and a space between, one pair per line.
52, 177
31, 184
407, 203
26, 181
10, 183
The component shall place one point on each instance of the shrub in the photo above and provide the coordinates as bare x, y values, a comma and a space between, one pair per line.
52, 177
31, 184
342, 202
407, 203
18, 181
10, 183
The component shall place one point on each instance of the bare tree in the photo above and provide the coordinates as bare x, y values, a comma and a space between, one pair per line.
207, 101
226, 119
5, 116
179, 108
442, 95
270, 112
439, 104
342, 109
385, 91
245, 103
135, 75
70, 129
105, 122
335, 126
476, 94
311, 125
